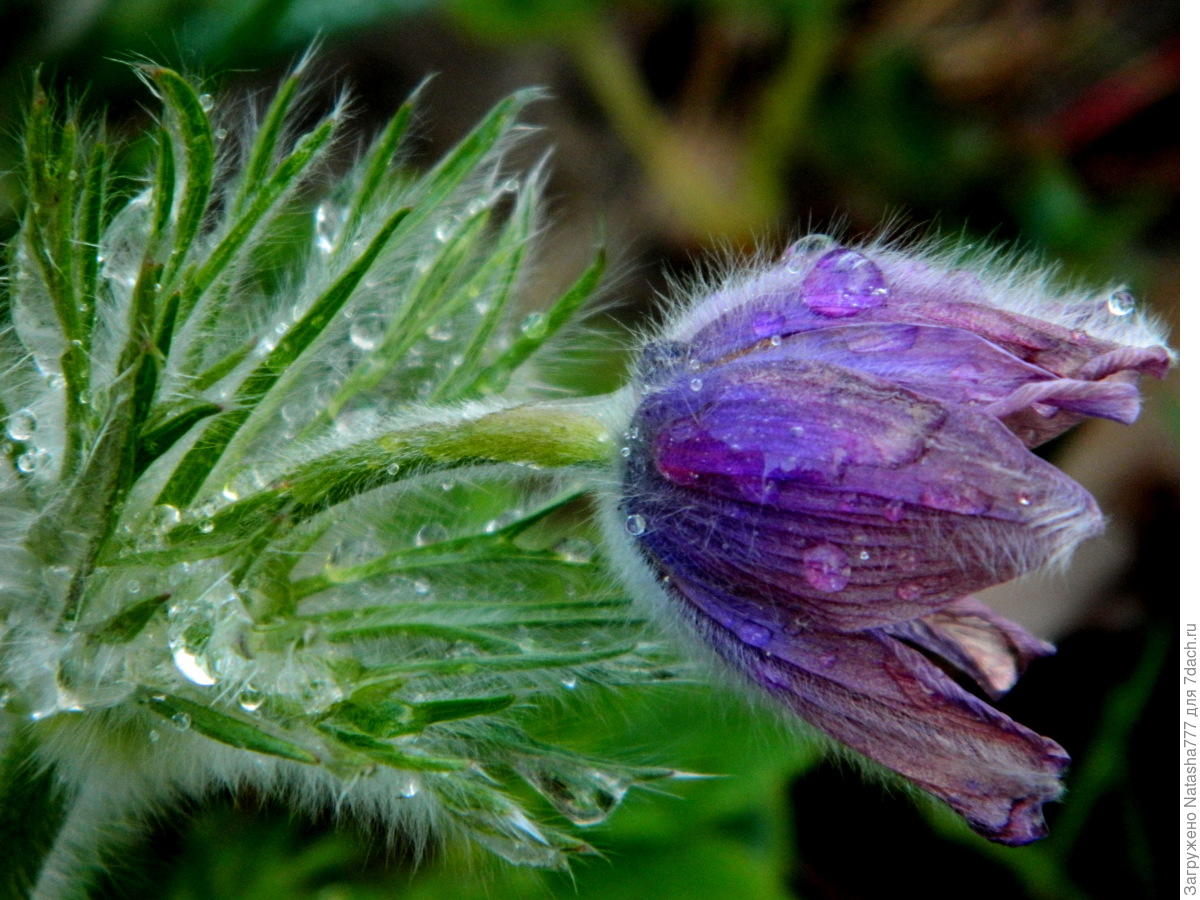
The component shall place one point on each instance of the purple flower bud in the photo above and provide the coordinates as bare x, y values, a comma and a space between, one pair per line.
828, 456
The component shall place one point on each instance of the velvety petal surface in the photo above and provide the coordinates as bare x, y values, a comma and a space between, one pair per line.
888, 702
836, 500
932, 331
966, 634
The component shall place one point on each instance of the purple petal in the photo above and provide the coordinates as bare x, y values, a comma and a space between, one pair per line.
838, 500
885, 700
989, 648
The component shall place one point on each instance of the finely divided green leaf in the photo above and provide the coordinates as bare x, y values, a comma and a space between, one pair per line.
226, 729
495, 377
196, 464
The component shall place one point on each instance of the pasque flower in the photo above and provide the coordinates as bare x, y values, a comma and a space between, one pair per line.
827, 456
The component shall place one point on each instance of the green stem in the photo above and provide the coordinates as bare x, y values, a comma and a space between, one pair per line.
550, 435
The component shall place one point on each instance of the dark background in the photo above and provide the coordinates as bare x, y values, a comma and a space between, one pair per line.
680, 128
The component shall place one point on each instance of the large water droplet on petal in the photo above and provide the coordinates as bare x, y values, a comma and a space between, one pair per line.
635, 525
754, 634
825, 567
767, 323
843, 283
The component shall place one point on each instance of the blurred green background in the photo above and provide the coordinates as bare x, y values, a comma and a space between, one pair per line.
680, 129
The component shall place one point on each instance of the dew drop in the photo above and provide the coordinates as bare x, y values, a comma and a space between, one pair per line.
152, 735
367, 331
421, 587
696, 384
796, 257
220, 134
864, 555
754, 634
825, 567
844, 283
534, 325
206, 102
27, 462
1024, 499
22, 424
206, 526
430, 533
575, 550
164, 517
409, 787
439, 331
767, 323
443, 231
182, 721
776, 340
325, 226
626, 452
393, 469
570, 683
192, 667
1121, 303
250, 700
635, 525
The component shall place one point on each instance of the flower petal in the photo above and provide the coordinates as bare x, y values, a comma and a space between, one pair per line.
987, 647
885, 700
838, 500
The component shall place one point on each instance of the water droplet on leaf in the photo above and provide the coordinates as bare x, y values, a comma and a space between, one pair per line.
325, 226
250, 699
534, 325
192, 667
22, 425
367, 331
